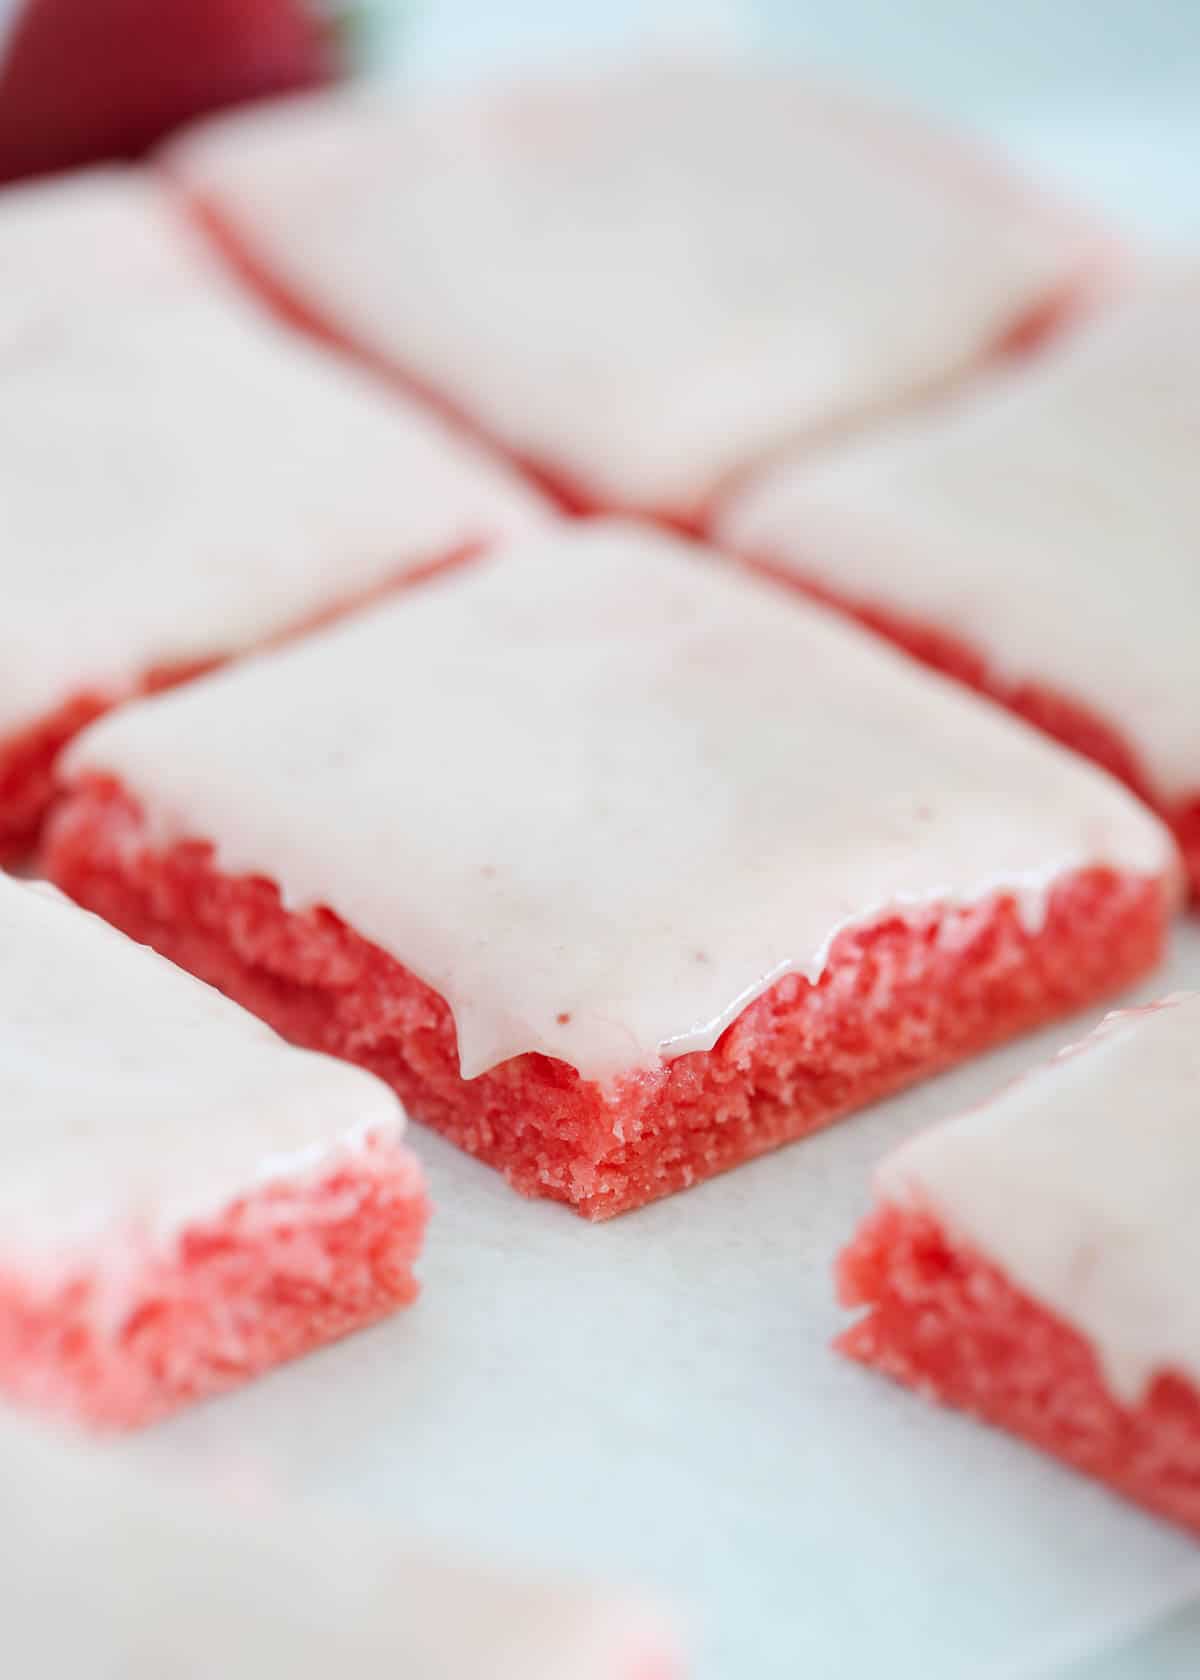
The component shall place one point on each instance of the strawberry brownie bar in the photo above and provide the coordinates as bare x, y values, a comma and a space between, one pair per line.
1035, 1261
185, 1200
1039, 543
640, 282
618, 864
108, 1572
181, 478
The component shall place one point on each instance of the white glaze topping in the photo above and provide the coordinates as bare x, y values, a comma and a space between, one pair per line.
1081, 1183
601, 791
133, 1098
181, 477
84, 244
649, 278
108, 1571
1054, 523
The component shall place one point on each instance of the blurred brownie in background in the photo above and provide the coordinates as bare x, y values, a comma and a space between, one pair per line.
1040, 542
181, 477
642, 282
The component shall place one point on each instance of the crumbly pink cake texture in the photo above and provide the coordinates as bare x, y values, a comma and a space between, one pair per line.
675, 868
1034, 1261
185, 1200
640, 282
1037, 542
229, 483
166, 1578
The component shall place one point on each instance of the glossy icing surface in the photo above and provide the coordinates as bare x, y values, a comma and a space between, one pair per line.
647, 279
180, 477
600, 791
132, 1097
1054, 524
1080, 1181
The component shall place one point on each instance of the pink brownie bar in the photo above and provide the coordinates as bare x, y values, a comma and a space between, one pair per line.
185, 1200
106, 1571
182, 479
621, 866
1035, 1261
641, 282
1038, 543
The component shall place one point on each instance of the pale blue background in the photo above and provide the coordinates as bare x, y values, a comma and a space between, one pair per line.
1105, 94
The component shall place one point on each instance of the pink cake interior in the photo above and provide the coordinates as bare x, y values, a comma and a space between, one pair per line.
281, 1271
949, 1324
29, 758
1068, 720
898, 1000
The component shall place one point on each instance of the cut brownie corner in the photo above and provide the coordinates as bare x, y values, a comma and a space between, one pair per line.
949, 1324
284, 1269
898, 1000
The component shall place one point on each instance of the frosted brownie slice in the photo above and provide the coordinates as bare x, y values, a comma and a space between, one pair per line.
642, 281
1039, 543
180, 477
621, 865
184, 1199
1035, 1261
104, 1571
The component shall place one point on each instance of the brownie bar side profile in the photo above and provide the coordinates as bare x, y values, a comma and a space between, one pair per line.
897, 1001
943, 1320
287, 1268
1031, 1262
187, 1201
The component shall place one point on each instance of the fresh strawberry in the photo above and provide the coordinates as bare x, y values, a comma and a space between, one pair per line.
82, 80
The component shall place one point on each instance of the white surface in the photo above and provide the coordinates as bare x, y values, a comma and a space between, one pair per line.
134, 1099
719, 231
655, 1398
166, 1583
226, 480
716, 780
1080, 1182
1050, 522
